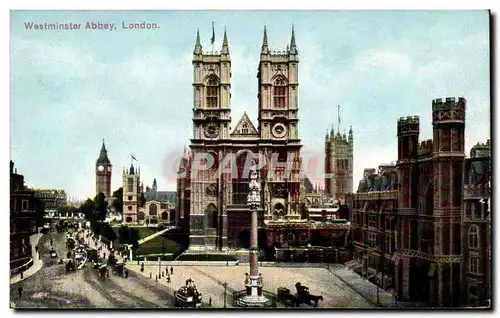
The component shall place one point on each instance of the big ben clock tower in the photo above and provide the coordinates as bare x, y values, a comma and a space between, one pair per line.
103, 173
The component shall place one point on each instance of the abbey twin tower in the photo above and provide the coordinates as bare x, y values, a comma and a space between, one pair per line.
213, 191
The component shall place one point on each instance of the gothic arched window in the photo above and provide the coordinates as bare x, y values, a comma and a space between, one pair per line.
279, 93
473, 236
212, 92
153, 210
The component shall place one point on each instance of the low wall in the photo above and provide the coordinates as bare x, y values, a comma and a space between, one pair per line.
186, 263
27, 264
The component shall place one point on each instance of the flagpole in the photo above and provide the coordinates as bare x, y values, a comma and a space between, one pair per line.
338, 118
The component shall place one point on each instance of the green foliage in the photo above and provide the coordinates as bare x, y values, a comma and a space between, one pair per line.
129, 235
143, 199
100, 206
117, 200
87, 208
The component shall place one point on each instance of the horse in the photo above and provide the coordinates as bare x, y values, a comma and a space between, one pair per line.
315, 299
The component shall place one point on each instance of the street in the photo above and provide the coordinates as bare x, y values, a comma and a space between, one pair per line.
52, 287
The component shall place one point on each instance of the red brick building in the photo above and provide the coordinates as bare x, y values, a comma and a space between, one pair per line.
425, 223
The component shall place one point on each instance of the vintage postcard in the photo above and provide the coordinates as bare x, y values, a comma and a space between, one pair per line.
250, 159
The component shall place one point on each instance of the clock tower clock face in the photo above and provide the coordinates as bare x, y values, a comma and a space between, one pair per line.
109, 169
211, 130
100, 168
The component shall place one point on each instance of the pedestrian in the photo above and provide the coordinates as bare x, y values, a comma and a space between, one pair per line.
22, 274
162, 274
126, 273
171, 270
156, 278
210, 301
142, 267
20, 290
168, 279
51, 242
150, 275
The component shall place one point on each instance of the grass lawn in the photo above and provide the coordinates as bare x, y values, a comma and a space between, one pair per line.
159, 245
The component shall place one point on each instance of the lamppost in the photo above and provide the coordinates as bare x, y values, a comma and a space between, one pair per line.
225, 293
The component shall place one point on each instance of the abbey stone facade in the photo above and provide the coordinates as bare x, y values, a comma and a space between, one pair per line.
212, 203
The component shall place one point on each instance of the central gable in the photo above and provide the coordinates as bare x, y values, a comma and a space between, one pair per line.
244, 128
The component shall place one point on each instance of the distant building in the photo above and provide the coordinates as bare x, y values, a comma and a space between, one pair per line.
339, 161
53, 199
22, 219
425, 223
476, 234
158, 207
103, 170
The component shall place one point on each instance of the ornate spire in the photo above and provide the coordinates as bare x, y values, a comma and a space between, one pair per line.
265, 48
293, 46
103, 156
332, 132
350, 132
225, 46
197, 46
155, 186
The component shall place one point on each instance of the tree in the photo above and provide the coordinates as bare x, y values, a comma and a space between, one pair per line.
143, 199
100, 206
87, 208
117, 200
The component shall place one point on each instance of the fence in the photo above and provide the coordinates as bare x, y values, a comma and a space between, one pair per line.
238, 300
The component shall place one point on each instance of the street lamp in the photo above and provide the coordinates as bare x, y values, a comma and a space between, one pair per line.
225, 293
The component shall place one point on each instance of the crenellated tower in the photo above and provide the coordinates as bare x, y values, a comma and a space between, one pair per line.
339, 161
131, 195
408, 129
448, 120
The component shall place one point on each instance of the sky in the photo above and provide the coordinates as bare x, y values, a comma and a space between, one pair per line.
70, 89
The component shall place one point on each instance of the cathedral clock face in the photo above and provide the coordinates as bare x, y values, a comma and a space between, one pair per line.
100, 168
211, 130
279, 130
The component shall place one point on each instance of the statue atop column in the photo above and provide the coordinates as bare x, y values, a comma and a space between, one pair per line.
253, 198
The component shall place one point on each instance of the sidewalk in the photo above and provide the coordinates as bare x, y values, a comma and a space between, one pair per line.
94, 243
37, 262
368, 290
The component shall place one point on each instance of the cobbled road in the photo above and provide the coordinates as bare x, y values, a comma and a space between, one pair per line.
52, 287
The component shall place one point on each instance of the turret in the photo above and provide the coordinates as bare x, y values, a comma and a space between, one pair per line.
293, 45
197, 46
225, 46
265, 48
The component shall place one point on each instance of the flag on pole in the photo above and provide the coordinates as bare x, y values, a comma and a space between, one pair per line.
212, 40
133, 157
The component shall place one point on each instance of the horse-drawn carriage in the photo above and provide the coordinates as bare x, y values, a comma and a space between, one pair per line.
188, 296
118, 269
302, 296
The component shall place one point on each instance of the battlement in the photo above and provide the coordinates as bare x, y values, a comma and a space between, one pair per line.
279, 53
408, 120
425, 147
448, 103
482, 145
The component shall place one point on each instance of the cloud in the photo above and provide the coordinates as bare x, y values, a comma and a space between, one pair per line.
385, 62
